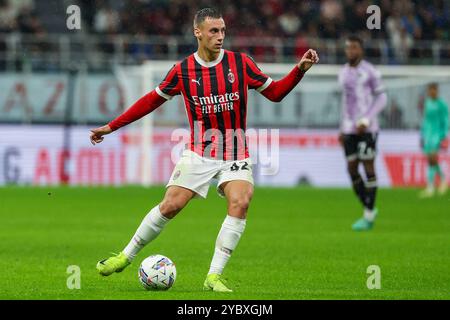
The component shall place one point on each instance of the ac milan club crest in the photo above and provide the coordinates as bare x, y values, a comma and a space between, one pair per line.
176, 175
230, 76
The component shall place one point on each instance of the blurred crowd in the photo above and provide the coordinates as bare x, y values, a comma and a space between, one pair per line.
402, 21
409, 19
296, 22
19, 16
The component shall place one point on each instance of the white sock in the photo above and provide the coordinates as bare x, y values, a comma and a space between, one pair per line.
149, 229
227, 240
369, 215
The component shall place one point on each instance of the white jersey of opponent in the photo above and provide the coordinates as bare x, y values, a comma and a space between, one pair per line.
359, 85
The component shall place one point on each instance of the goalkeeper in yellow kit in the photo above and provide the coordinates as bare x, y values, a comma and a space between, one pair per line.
434, 131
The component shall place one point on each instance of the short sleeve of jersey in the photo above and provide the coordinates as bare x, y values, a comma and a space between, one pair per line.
256, 79
169, 87
376, 84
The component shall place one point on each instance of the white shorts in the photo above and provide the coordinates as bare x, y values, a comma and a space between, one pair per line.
195, 173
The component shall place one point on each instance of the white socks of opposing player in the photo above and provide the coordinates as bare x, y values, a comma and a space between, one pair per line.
369, 215
149, 229
227, 240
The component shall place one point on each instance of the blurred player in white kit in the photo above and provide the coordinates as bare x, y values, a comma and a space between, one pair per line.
363, 97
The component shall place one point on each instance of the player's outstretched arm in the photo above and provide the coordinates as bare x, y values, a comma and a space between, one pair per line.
140, 108
277, 90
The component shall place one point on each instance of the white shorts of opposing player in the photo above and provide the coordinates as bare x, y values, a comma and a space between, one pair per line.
196, 173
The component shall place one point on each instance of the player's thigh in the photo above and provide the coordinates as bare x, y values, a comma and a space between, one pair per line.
369, 167
431, 147
238, 193
367, 146
175, 199
239, 170
350, 145
352, 167
194, 173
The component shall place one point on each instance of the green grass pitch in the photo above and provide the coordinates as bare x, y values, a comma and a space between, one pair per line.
298, 244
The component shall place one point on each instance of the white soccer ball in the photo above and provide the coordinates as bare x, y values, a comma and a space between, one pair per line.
157, 272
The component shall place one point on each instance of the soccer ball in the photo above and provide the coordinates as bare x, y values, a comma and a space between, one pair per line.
157, 272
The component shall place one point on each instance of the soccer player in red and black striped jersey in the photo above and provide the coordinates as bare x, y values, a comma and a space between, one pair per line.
214, 84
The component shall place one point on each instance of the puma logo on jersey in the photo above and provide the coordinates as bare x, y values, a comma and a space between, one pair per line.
197, 81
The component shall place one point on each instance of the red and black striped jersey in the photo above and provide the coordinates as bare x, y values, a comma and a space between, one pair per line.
215, 97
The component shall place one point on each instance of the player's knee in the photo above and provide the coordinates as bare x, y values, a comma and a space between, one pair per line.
433, 160
370, 172
241, 202
371, 175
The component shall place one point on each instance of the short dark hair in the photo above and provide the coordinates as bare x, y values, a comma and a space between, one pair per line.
433, 85
204, 13
354, 38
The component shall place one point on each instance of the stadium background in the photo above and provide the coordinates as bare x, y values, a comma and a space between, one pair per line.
51, 75
56, 84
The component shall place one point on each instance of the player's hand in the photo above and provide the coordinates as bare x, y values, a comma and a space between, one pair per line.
362, 125
361, 129
98, 133
341, 139
309, 58
444, 144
